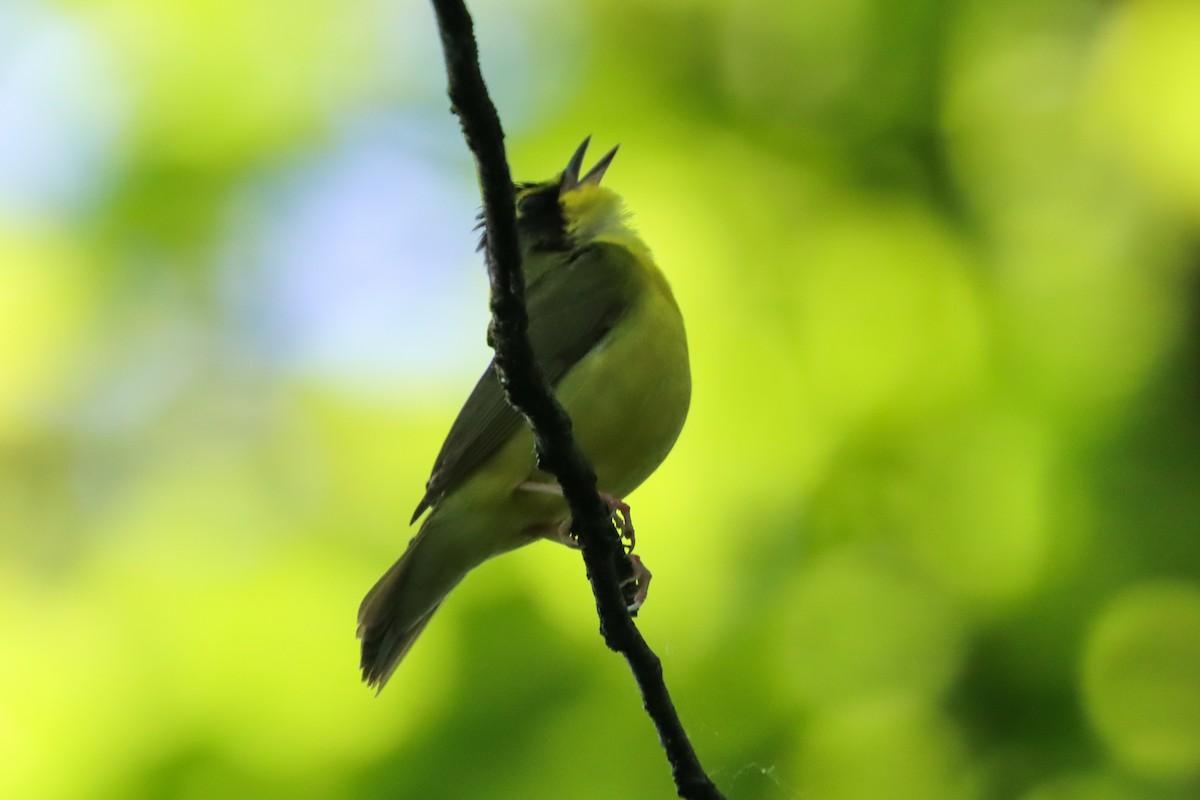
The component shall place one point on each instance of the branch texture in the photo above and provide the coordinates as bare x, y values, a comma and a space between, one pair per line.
527, 391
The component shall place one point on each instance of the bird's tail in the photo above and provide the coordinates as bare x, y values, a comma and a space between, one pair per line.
401, 603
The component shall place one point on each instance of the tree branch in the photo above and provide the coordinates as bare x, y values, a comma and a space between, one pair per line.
528, 392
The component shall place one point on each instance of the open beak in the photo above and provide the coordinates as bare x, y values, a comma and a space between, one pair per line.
571, 177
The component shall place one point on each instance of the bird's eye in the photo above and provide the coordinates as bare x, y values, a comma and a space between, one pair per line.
529, 202
536, 203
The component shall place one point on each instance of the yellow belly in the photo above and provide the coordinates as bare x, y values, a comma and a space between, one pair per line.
629, 397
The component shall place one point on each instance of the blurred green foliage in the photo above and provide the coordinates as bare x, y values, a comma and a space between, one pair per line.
932, 530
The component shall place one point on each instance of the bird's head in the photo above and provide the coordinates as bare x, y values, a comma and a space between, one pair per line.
568, 211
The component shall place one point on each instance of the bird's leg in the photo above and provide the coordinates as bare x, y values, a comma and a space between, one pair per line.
618, 509
562, 534
636, 586
620, 512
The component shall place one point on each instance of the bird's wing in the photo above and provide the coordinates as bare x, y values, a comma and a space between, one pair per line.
571, 309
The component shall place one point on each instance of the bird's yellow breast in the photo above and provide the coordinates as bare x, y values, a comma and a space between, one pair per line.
629, 397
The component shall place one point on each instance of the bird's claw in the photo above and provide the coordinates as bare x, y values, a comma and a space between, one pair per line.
636, 585
618, 509
622, 518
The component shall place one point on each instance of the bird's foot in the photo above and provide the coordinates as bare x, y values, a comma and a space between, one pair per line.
563, 534
622, 517
636, 586
618, 509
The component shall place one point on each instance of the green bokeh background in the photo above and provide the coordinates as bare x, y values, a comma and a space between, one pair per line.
933, 527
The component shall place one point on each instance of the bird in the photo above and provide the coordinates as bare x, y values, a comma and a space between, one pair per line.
609, 337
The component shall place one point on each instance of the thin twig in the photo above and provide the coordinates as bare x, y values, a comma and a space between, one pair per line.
528, 392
